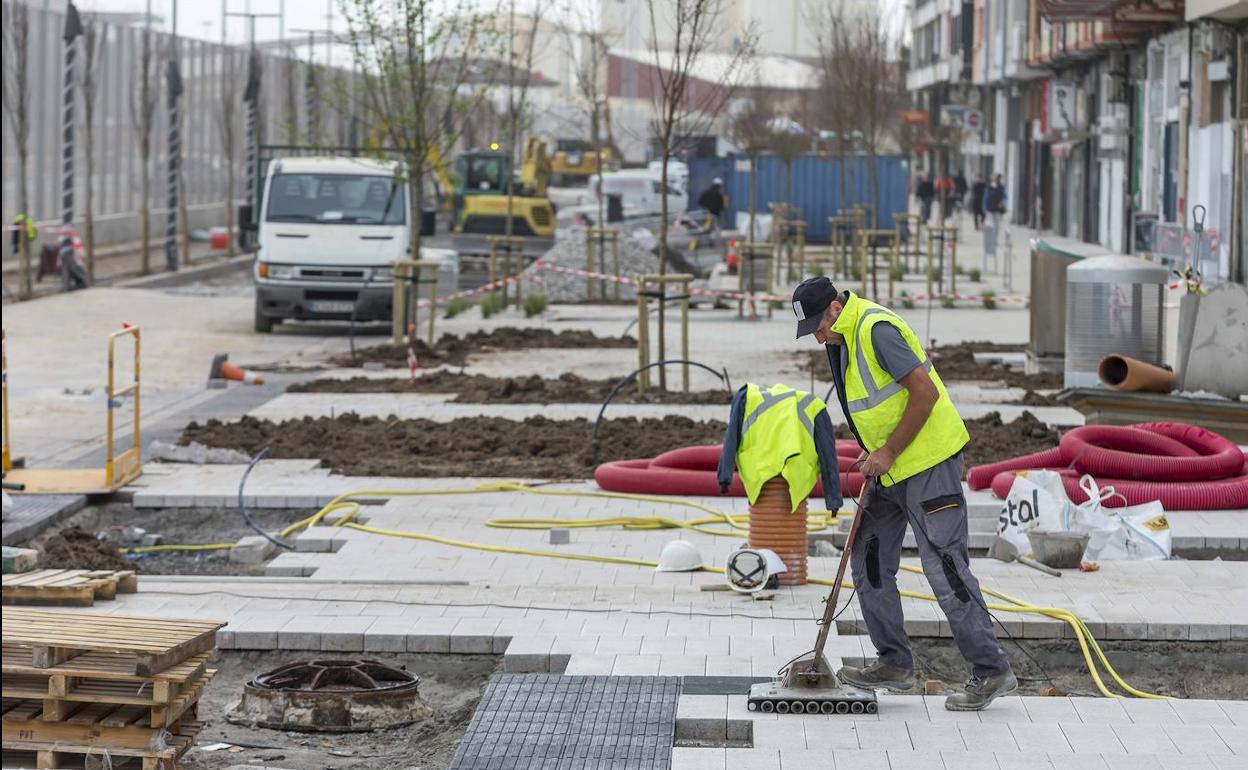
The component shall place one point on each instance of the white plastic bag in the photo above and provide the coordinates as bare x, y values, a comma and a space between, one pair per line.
1130, 533
1037, 500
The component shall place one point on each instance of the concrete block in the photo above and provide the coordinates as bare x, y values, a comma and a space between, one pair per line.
20, 559
1041, 736
1209, 632
560, 536
387, 634
687, 758
252, 549
1168, 631
319, 540
590, 665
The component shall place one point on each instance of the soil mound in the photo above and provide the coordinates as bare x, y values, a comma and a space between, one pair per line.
992, 439
450, 349
537, 447
78, 549
480, 389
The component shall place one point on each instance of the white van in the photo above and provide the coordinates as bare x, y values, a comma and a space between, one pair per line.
640, 191
330, 230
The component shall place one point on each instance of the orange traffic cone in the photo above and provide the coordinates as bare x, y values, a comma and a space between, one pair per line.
732, 259
222, 369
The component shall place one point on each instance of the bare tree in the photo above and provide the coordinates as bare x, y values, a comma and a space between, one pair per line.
751, 129
518, 116
412, 58
290, 113
17, 105
227, 125
859, 59
143, 116
587, 48
685, 104
89, 85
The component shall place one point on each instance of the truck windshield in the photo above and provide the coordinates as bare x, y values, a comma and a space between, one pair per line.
362, 199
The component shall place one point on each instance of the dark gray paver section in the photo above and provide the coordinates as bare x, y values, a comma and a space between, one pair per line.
32, 514
551, 722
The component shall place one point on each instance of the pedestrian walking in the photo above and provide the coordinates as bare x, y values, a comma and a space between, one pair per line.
925, 192
959, 191
977, 201
994, 203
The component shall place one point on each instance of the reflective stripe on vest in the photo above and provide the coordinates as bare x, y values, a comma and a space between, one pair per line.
771, 399
875, 394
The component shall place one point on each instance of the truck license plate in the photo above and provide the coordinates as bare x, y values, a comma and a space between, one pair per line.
330, 306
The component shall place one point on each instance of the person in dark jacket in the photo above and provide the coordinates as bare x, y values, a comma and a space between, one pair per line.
959, 191
712, 198
994, 204
977, 201
925, 192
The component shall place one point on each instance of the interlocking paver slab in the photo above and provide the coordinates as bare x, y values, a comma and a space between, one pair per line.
1144, 739
1040, 737
1092, 739
1029, 761
1196, 739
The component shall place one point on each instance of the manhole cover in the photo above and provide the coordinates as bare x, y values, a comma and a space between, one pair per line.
332, 696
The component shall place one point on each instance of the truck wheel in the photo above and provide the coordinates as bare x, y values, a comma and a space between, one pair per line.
264, 324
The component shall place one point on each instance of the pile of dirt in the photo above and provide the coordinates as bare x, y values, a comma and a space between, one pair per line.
480, 389
453, 350
537, 447
957, 363
993, 439
76, 548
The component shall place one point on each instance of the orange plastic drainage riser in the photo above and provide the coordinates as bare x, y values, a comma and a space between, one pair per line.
773, 526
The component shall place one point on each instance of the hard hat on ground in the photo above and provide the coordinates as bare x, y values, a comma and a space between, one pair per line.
679, 556
752, 569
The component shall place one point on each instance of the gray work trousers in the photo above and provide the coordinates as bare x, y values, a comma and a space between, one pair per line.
931, 500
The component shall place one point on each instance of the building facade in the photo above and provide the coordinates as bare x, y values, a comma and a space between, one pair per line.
1116, 122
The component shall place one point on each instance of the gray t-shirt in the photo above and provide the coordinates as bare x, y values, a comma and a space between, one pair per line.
891, 351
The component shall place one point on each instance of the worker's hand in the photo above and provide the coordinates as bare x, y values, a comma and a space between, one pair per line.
878, 463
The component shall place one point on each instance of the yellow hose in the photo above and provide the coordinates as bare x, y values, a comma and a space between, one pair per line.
1088, 645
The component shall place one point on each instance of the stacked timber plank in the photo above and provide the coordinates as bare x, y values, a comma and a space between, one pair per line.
67, 587
78, 684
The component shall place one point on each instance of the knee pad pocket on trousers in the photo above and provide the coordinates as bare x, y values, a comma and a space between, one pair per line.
873, 562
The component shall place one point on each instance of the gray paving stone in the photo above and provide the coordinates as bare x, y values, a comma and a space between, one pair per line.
1040, 738
1144, 739
698, 759
1029, 761
1196, 739
797, 759
1092, 739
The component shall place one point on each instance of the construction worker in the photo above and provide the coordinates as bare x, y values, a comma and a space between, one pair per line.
779, 431
23, 226
912, 439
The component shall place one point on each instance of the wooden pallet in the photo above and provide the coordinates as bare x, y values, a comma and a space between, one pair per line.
61, 695
67, 761
67, 587
107, 725
56, 754
46, 638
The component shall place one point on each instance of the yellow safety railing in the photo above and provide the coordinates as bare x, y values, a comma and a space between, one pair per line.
127, 464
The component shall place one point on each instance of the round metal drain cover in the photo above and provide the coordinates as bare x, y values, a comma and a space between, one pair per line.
332, 696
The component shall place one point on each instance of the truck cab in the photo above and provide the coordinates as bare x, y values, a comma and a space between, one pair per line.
329, 232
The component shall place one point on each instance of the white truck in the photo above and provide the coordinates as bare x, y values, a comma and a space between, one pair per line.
640, 191
329, 231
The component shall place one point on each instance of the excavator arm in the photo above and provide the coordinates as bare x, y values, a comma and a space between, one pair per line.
535, 168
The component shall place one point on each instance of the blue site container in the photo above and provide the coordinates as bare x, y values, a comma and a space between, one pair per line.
816, 187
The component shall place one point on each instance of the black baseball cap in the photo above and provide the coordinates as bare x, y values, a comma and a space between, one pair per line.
811, 297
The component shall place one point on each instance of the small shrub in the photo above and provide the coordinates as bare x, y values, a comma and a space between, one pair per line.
535, 304
974, 274
457, 306
794, 276
959, 270
816, 270
933, 274
855, 272
990, 299
491, 304
906, 301
898, 272
946, 302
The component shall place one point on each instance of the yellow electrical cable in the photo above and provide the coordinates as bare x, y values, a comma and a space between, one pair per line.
816, 522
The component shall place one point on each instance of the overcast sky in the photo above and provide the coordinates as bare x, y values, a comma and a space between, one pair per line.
202, 18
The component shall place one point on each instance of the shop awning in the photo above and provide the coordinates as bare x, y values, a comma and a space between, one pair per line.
1112, 10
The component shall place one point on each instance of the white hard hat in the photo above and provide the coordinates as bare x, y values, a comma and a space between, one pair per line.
717, 180
679, 556
750, 569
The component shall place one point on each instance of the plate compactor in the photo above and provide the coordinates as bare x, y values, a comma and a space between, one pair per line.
808, 685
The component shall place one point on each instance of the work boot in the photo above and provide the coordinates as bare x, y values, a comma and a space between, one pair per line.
982, 690
878, 676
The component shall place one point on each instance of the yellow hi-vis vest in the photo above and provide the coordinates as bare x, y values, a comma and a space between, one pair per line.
778, 439
876, 401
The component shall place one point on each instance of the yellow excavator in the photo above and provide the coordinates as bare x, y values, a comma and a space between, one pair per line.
574, 162
479, 207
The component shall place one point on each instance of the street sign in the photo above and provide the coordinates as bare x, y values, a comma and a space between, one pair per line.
914, 117
961, 116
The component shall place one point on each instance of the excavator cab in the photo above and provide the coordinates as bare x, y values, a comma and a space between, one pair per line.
484, 178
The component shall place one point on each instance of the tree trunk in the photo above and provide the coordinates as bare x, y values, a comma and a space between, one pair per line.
145, 232
26, 288
88, 223
663, 267
229, 208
